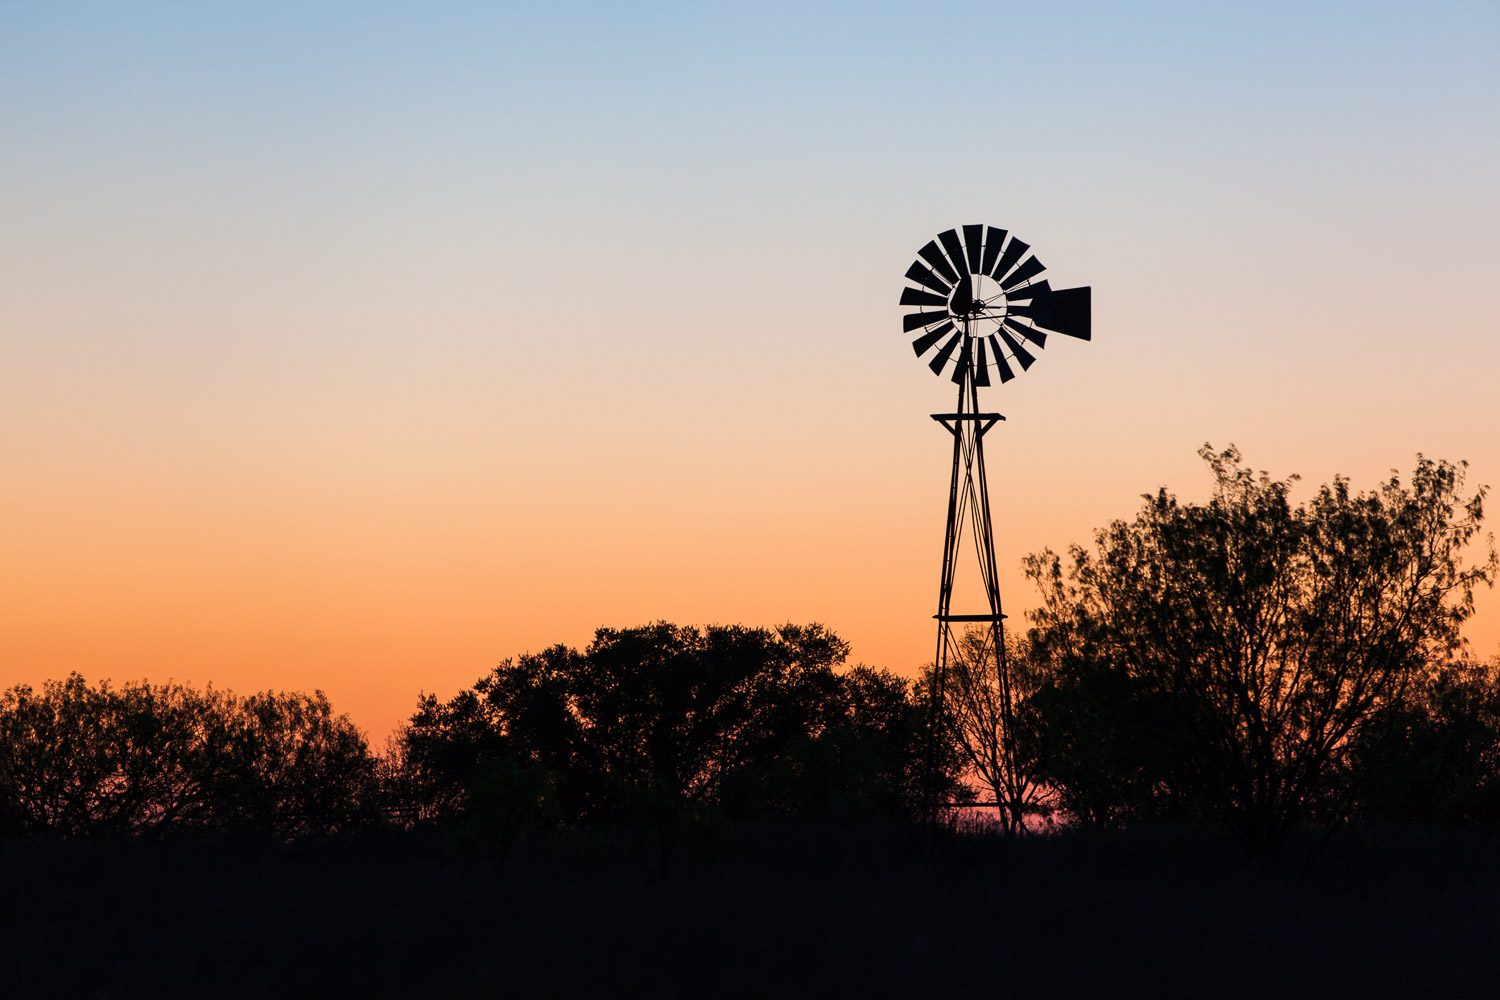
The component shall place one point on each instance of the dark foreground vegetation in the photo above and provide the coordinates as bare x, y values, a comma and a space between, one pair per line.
1242, 751
801, 910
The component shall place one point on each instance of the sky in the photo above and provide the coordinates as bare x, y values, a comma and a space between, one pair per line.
358, 347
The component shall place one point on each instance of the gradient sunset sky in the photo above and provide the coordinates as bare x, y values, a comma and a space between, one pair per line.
359, 346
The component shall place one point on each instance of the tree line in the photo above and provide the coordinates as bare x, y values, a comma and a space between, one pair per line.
1262, 665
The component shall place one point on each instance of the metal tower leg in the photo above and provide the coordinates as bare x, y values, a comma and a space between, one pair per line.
968, 503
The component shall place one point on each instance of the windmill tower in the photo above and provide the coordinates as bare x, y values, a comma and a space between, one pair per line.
980, 305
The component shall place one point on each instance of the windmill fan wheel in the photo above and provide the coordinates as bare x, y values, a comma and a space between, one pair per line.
979, 302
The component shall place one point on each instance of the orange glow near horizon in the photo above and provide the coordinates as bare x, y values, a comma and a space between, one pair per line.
248, 581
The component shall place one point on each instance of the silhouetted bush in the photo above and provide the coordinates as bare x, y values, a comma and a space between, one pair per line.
77, 758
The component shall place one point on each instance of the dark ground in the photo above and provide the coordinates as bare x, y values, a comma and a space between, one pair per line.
827, 911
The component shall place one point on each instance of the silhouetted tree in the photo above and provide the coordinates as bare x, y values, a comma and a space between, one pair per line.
1249, 642
79, 758
648, 722
290, 766
1096, 746
510, 740
1434, 757
844, 749
997, 747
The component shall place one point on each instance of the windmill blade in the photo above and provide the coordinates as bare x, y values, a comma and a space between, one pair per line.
1067, 311
954, 246
973, 244
1020, 353
965, 361
1013, 252
934, 256
1036, 336
913, 321
917, 297
982, 366
1031, 291
1005, 373
944, 353
927, 279
924, 343
993, 238
1030, 269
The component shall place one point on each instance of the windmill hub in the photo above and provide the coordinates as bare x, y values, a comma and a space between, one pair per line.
979, 295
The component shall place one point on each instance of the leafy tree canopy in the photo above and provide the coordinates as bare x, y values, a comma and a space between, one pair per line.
742, 720
1225, 657
76, 757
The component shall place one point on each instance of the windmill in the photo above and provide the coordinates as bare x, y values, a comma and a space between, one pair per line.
978, 304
